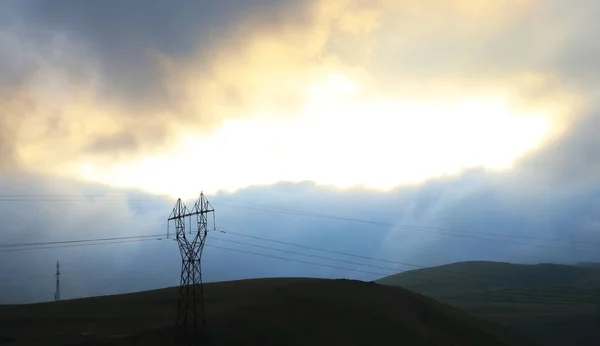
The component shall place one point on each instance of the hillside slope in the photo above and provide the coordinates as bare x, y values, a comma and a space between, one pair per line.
492, 274
256, 312
550, 303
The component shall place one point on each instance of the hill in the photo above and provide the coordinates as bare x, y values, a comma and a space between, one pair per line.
589, 264
291, 311
552, 304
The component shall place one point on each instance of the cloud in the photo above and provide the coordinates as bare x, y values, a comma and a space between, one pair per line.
82, 89
125, 36
98, 82
116, 87
552, 193
476, 201
9, 121
570, 163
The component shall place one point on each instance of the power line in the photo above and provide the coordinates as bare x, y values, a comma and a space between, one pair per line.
565, 299
310, 213
296, 260
22, 247
461, 283
316, 248
73, 245
418, 228
117, 240
241, 243
304, 213
296, 253
505, 295
79, 241
360, 256
303, 254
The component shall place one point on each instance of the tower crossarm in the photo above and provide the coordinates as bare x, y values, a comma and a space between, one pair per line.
193, 213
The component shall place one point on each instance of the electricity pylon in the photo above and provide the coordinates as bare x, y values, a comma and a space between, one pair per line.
57, 292
190, 310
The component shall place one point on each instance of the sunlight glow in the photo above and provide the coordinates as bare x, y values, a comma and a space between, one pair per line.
338, 139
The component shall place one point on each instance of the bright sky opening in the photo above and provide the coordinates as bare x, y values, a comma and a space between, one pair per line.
342, 93
340, 140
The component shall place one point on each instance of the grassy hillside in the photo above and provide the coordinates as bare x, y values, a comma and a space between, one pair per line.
256, 312
550, 303
589, 264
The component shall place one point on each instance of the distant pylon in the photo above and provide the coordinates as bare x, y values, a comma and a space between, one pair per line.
190, 310
57, 292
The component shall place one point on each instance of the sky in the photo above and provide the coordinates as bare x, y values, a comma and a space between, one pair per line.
475, 120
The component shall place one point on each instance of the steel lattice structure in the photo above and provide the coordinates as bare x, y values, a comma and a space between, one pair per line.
57, 292
190, 310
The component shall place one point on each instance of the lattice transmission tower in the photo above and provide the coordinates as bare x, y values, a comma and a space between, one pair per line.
57, 292
190, 311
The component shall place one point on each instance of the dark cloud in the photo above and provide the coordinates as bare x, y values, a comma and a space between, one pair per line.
130, 62
126, 36
571, 162
100, 68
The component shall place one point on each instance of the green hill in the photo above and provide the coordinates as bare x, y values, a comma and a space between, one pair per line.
589, 264
550, 303
256, 312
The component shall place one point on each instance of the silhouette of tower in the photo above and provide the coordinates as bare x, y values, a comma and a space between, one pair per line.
190, 310
57, 292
